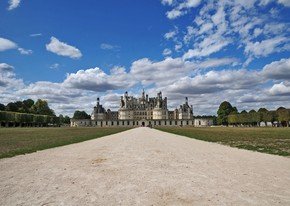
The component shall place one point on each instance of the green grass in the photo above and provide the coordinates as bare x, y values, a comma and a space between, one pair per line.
267, 140
16, 141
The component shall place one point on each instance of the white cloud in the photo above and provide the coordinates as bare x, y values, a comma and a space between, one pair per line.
280, 89
167, 2
265, 47
171, 34
13, 4
106, 46
278, 70
284, 2
95, 79
215, 81
25, 51
212, 63
181, 8
160, 73
6, 44
35, 35
5, 68
167, 52
63, 49
54, 66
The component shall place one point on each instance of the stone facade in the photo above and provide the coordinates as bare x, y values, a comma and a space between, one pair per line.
143, 111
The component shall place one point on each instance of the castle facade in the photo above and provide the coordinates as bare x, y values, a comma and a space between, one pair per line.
142, 111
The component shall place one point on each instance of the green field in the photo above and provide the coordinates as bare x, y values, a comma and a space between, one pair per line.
15, 141
267, 140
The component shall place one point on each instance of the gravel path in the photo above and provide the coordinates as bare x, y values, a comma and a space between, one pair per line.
144, 166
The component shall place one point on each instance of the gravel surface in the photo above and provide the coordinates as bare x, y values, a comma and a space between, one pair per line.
145, 166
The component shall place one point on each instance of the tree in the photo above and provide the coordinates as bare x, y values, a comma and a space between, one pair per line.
66, 120
283, 116
12, 107
27, 104
2, 107
224, 110
81, 115
41, 107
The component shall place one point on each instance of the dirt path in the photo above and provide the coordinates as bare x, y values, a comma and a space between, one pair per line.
144, 166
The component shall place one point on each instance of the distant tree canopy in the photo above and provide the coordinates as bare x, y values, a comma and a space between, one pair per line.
64, 119
81, 115
41, 107
28, 111
28, 106
281, 115
224, 110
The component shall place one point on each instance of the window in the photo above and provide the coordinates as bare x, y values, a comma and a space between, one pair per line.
186, 122
117, 122
123, 123
159, 122
175, 122
112, 123
128, 123
165, 122
170, 122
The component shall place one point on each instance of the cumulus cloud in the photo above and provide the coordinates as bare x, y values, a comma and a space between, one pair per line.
278, 70
95, 79
160, 73
13, 4
6, 44
8, 79
280, 89
63, 49
216, 81
6, 67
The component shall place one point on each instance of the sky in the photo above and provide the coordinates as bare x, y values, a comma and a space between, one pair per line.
209, 51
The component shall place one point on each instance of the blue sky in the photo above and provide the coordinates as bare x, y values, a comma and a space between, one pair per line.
211, 51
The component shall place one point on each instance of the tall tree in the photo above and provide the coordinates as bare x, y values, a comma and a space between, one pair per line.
224, 110
41, 107
81, 115
11, 107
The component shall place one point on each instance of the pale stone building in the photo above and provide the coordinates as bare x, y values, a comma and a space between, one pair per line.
142, 111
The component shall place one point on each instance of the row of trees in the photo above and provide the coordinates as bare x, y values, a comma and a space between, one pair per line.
28, 106
227, 114
24, 119
30, 113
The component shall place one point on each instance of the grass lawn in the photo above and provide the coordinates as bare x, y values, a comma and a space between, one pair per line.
267, 140
15, 141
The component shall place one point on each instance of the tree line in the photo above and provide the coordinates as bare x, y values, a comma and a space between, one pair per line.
30, 113
229, 115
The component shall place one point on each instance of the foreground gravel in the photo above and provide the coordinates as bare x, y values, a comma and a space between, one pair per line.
144, 166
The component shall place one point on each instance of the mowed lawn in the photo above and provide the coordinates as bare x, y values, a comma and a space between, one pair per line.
267, 140
15, 141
